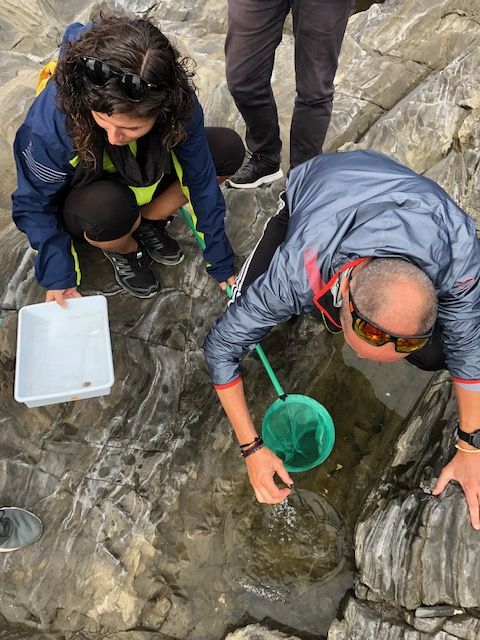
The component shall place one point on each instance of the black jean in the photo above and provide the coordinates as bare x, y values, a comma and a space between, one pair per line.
107, 209
430, 358
254, 32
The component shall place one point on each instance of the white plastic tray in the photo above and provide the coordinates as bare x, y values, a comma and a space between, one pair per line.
63, 354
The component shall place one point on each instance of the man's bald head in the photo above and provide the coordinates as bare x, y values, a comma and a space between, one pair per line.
396, 295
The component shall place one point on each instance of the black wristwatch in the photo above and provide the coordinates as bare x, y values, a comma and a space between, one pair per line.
471, 438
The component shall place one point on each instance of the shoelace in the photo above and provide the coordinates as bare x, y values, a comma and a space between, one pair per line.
152, 236
123, 264
247, 167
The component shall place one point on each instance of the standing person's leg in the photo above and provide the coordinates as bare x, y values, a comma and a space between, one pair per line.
254, 32
319, 27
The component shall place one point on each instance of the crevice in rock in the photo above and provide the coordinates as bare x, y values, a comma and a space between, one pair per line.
461, 14
399, 58
148, 341
368, 101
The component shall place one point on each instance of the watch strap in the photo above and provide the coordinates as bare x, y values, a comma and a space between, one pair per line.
472, 439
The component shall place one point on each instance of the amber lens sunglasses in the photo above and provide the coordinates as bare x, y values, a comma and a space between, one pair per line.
377, 337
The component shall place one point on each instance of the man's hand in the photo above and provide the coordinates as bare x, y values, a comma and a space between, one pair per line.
230, 281
60, 295
262, 466
465, 469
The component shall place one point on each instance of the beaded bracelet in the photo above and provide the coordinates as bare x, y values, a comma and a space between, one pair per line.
256, 447
466, 450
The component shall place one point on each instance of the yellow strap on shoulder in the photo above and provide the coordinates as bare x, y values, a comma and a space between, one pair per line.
44, 76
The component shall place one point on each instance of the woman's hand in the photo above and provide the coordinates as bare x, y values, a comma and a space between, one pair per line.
262, 466
61, 295
230, 281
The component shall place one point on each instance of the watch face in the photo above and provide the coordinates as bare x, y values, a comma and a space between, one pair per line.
476, 439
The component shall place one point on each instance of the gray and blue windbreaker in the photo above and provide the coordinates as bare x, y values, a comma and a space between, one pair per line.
46, 161
343, 208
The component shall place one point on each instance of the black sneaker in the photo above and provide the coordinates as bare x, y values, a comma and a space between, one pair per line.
133, 273
159, 245
18, 528
253, 174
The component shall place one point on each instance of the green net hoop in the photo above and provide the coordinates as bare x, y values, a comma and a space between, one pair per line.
300, 431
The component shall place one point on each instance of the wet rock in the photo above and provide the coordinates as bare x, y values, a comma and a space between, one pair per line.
413, 549
135, 488
463, 627
257, 632
365, 622
397, 131
436, 46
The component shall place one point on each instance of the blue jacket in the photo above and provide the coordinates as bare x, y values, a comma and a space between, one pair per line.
345, 207
43, 152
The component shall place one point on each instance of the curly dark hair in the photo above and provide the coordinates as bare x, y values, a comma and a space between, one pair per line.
134, 46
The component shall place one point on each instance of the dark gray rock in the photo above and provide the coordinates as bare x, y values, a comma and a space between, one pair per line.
366, 622
137, 490
413, 548
257, 632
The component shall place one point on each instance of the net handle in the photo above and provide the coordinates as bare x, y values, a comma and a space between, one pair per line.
260, 352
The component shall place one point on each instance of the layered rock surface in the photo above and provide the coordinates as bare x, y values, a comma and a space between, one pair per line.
135, 488
413, 550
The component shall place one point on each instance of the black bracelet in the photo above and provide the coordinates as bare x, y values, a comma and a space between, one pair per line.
256, 447
249, 444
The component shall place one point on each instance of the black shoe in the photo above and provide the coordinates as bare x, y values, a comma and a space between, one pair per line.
133, 273
253, 174
159, 245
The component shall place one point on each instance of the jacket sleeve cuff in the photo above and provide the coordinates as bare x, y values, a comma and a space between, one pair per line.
221, 274
228, 384
468, 385
67, 283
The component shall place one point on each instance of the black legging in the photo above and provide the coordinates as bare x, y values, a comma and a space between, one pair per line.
107, 209
259, 259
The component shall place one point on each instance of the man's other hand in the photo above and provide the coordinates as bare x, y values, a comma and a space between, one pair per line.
465, 469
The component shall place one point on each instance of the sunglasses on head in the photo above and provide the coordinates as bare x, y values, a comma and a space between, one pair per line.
133, 86
377, 337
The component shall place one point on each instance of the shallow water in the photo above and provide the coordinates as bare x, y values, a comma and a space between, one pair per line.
303, 537
293, 562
